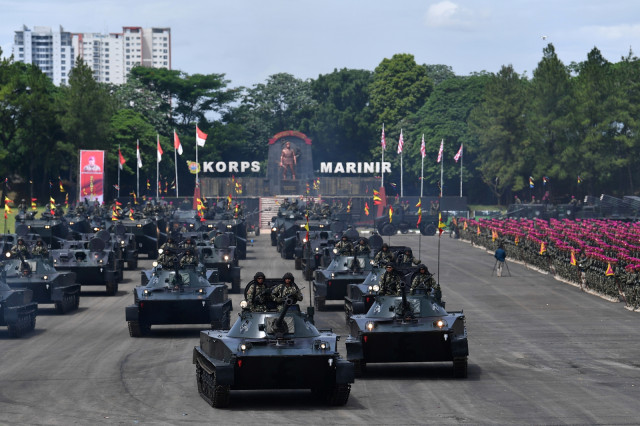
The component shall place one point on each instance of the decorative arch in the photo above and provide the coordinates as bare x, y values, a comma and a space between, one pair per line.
290, 133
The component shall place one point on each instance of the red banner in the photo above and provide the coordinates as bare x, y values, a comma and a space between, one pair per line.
91, 176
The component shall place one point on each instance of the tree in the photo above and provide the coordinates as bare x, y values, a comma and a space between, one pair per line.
550, 142
498, 123
282, 103
341, 120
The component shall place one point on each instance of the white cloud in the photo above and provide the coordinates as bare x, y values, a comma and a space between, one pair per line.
447, 14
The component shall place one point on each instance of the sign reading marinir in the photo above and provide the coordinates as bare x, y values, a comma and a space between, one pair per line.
230, 167
353, 167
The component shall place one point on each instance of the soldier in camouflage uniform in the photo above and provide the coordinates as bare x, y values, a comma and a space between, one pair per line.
285, 290
407, 258
188, 244
362, 248
40, 249
344, 246
188, 259
384, 255
390, 282
20, 249
423, 279
169, 245
258, 294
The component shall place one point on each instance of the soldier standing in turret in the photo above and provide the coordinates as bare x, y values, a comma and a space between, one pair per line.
390, 282
285, 290
258, 294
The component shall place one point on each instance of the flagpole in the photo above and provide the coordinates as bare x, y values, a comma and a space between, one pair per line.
197, 164
441, 174
421, 178
119, 170
175, 160
401, 184
461, 159
157, 168
382, 161
137, 166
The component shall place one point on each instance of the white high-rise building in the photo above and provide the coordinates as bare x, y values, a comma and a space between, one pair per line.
110, 56
149, 47
50, 50
103, 54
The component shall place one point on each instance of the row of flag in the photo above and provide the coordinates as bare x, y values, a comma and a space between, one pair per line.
201, 138
423, 149
545, 180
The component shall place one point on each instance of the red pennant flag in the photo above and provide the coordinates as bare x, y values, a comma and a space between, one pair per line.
176, 143
159, 150
201, 137
121, 159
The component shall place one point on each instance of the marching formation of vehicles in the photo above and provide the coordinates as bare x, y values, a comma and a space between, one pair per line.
393, 310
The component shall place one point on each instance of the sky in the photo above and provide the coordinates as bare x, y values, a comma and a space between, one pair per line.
249, 40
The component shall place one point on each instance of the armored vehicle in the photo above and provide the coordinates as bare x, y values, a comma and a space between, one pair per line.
124, 244
178, 296
403, 221
331, 283
93, 263
408, 328
360, 296
53, 231
48, 285
221, 256
17, 310
315, 253
147, 235
271, 350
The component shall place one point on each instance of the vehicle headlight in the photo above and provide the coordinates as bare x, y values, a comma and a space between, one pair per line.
335, 251
71, 223
146, 292
139, 225
370, 325
122, 243
155, 263
201, 290
100, 261
333, 275
321, 226
304, 240
55, 260
209, 226
244, 304
8, 254
317, 249
47, 226
226, 257
322, 345
302, 225
372, 262
376, 287
229, 226
96, 229
274, 229
440, 323
160, 251
45, 277
244, 346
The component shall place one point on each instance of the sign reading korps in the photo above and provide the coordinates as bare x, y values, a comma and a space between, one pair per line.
230, 166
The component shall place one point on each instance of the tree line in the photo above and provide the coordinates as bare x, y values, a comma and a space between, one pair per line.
521, 135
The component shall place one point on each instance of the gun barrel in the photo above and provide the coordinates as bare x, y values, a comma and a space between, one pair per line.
287, 303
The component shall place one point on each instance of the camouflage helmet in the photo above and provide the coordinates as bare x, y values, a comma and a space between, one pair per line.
259, 275
423, 266
384, 246
288, 275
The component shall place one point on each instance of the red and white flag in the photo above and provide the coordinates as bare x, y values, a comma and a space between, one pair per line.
441, 149
383, 142
400, 143
423, 149
201, 137
458, 154
138, 154
176, 143
159, 150
121, 159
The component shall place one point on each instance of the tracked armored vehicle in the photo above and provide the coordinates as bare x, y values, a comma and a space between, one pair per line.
93, 263
271, 350
331, 283
408, 328
178, 296
221, 256
48, 285
17, 310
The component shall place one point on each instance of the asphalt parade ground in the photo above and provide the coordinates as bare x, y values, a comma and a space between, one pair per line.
540, 352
